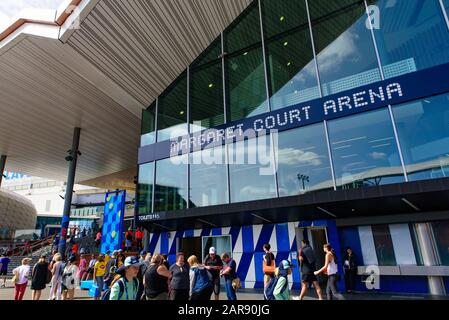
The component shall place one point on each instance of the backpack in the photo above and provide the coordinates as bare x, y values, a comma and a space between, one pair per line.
269, 289
203, 279
107, 293
271, 286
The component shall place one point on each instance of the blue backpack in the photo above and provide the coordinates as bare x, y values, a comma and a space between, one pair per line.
107, 294
203, 279
271, 286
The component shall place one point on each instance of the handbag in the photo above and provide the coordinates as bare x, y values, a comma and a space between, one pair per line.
15, 278
94, 291
236, 283
270, 269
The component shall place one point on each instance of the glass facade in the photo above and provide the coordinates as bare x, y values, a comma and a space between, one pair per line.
249, 179
423, 128
208, 178
172, 111
364, 150
303, 163
171, 184
206, 90
145, 188
279, 53
148, 126
413, 36
345, 51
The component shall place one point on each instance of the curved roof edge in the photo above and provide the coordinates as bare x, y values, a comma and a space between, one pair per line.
54, 24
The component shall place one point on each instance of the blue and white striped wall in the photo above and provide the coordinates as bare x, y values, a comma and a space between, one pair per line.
247, 243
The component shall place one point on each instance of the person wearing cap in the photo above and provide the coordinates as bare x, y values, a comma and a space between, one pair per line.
39, 277
99, 272
143, 254
214, 264
126, 287
70, 279
281, 291
21, 278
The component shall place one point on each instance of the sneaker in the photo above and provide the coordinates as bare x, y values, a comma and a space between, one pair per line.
295, 298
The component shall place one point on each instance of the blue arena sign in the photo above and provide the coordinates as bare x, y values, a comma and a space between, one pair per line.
377, 95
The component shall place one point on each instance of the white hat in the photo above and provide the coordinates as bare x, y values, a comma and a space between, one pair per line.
212, 250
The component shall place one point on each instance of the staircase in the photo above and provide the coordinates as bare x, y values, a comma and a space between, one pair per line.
16, 261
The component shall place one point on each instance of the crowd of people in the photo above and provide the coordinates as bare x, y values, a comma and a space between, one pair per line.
150, 277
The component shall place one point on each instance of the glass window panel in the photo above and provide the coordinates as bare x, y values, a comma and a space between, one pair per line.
416, 246
245, 31
208, 178
292, 69
148, 126
384, 245
426, 149
413, 35
171, 184
303, 164
248, 181
146, 181
212, 53
441, 234
172, 111
345, 51
245, 89
280, 16
206, 97
365, 151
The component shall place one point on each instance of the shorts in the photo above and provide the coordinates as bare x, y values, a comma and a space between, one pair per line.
217, 286
308, 278
4, 273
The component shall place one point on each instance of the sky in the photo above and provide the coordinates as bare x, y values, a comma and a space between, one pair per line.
9, 8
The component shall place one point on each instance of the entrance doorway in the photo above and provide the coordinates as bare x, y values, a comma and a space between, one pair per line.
199, 246
317, 237
191, 247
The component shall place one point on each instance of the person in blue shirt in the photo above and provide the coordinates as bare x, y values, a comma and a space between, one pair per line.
229, 273
4, 262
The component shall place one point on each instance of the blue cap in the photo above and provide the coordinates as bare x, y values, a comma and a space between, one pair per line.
285, 264
143, 253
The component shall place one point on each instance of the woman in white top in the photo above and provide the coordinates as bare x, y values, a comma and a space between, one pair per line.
21, 278
70, 279
331, 269
56, 270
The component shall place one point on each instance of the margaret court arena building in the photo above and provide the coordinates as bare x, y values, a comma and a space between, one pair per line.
349, 100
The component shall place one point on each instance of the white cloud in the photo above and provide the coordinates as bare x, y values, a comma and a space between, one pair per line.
290, 156
378, 155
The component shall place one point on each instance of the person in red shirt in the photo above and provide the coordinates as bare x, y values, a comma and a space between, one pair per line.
98, 238
139, 239
128, 239
75, 248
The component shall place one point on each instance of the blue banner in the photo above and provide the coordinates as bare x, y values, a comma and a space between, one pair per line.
114, 213
409, 87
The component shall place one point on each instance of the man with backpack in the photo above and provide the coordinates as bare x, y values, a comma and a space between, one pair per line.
126, 285
111, 268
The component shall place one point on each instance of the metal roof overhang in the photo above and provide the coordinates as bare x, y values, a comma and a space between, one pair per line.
95, 64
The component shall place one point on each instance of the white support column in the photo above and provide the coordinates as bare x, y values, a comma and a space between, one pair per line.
429, 256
